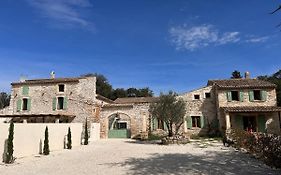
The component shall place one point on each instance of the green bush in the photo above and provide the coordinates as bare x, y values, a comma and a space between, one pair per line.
69, 141
264, 146
46, 149
194, 136
10, 145
154, 137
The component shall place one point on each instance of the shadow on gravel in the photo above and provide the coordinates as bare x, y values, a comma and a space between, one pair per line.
213, 163
144, 142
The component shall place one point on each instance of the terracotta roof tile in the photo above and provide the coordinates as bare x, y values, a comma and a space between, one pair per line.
252, 109
47, 81
136, 100
241, 83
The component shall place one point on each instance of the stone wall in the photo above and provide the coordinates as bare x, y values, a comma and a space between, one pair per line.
138, 115
221, 101
200, 107
80, 98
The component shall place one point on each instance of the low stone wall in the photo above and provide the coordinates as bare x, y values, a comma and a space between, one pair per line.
27, 137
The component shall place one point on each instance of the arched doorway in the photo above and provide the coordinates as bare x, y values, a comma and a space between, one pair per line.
119, 126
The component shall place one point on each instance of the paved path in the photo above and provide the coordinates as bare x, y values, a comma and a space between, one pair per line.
116, 156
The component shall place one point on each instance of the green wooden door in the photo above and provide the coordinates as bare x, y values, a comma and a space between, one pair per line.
118, 133
261, 123
239, 122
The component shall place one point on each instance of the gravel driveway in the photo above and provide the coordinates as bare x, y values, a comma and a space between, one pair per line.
118, 156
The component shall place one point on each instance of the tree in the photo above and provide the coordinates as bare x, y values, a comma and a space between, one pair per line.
171, 110
236, 74
276, 79
145, 92
276, 10
69, 141
119, 93
86, 135
46, 149
10, 145
4, 100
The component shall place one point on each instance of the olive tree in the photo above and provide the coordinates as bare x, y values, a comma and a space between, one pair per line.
171, 110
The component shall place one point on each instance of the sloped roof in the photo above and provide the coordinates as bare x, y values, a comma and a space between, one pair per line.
252, 109
103, 98
46, 81
136, 100
241, 83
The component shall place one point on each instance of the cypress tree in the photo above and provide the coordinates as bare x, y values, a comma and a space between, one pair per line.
10, 145
69, 141
86, 137
46, 149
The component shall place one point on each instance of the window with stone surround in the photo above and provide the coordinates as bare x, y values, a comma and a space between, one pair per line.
24, 104
235, 95
196, 97
207, 95
61, 87
196, 122
60, 103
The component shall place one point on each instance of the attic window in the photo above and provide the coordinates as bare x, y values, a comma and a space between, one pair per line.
196, 97
235, 95
257, 95
61, 88
207, 95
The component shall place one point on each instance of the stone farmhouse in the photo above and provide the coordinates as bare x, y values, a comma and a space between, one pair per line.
248, 104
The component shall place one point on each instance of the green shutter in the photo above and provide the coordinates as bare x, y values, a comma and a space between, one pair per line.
19, 105
241, 98
261, 123
202, 121
263, 95
28, 104
54, 103
228, 96
238, 122
188, 122
251, 95
64, 103
25, 90
155, 122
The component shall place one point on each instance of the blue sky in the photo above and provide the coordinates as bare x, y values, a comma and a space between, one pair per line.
161, 44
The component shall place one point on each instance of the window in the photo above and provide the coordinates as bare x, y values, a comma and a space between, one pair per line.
61, 88
207, 95
235, 95
60, 103
196, 121
257, 95
197, 97
122, 125
24, 104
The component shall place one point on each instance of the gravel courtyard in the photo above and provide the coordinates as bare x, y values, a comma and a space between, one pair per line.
118, 156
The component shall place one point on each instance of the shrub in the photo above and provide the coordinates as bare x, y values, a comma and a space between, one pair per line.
46, 149
194, 136
86, 136
10, 145
264, 146
69, 141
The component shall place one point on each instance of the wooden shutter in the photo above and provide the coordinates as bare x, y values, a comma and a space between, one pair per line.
64, 103
251, 95
241, 97
263, 95
19, 102
261, 123
155, 123
54, 103
239, 122
28, 104
228, 96
25, 90
202, 121
188, 122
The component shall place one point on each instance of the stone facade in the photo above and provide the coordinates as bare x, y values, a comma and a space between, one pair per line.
203, 107
78, 94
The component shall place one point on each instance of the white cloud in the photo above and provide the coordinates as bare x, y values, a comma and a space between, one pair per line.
257, 39
200, 36
63, 12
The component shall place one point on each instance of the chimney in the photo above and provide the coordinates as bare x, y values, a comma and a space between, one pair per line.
247, 75
22, 78
53, 75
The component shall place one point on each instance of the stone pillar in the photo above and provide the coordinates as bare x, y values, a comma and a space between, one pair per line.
57, 120
144, 122
24, 121
227, 121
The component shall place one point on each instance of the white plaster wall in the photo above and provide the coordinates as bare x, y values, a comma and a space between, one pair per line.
95, 132
27, 137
